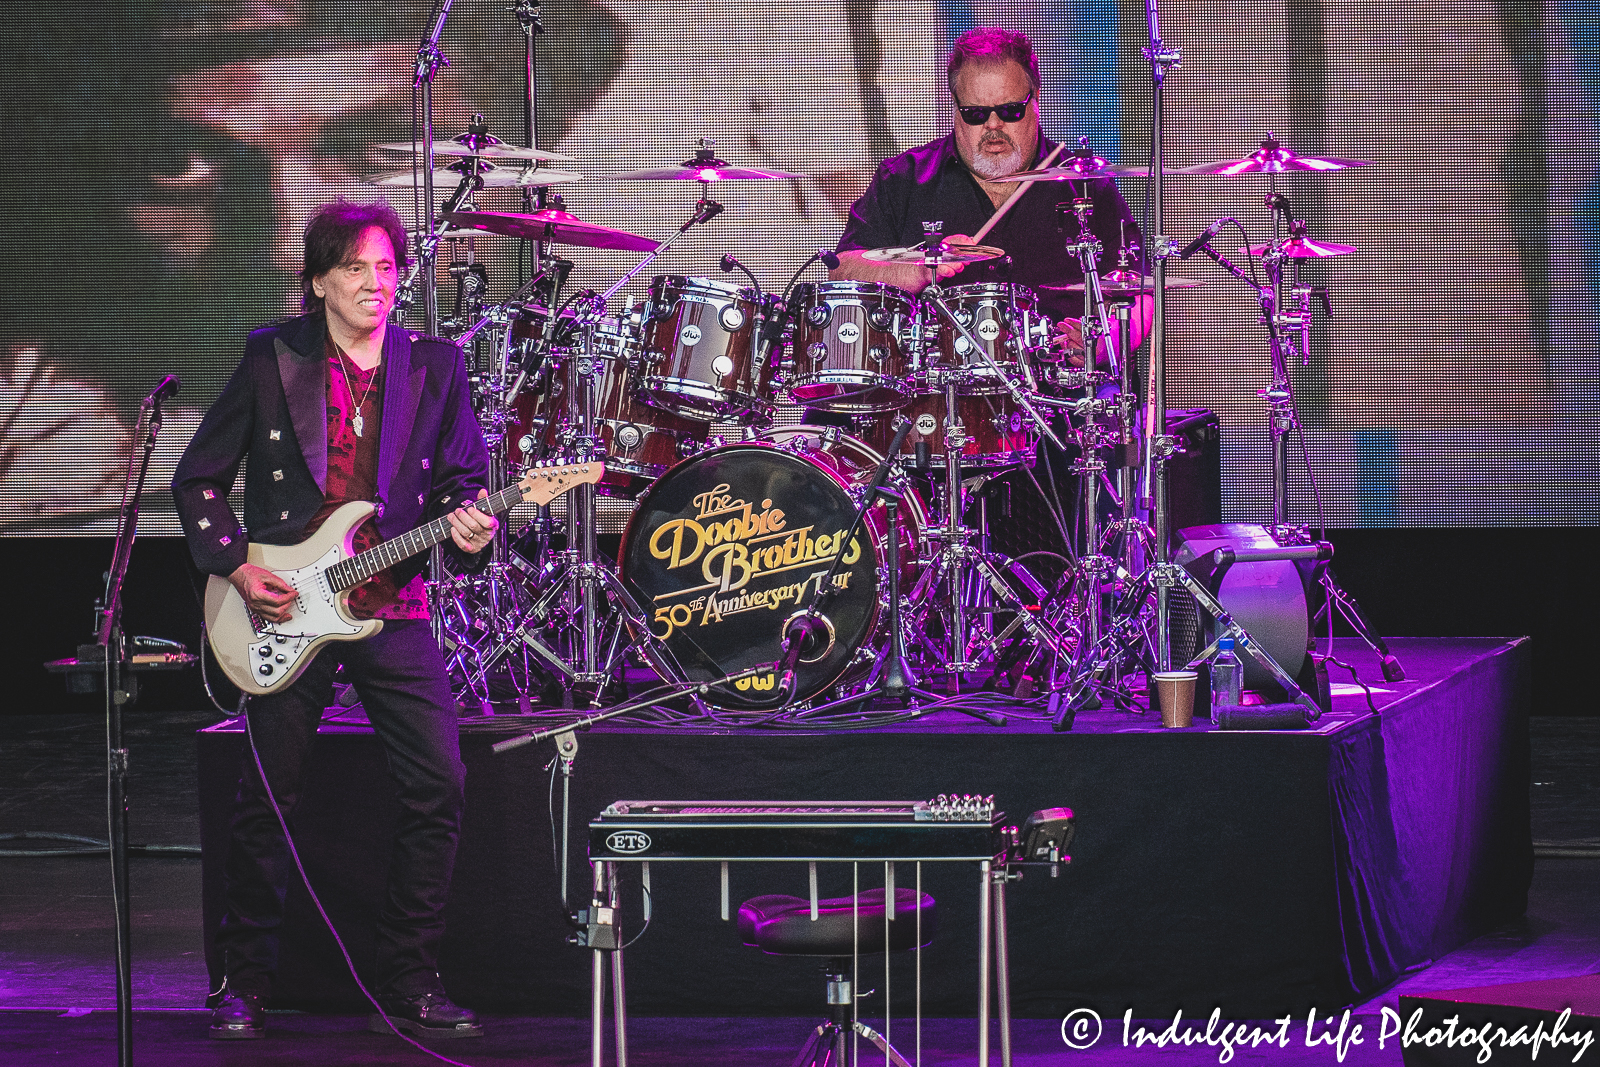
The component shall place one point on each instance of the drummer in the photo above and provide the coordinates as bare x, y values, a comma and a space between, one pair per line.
993, 77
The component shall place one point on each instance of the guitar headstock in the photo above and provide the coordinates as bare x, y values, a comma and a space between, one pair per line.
544, 482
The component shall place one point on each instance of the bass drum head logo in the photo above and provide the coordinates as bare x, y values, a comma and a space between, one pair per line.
628, 842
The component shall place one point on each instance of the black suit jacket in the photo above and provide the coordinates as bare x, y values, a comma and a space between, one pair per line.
272, 417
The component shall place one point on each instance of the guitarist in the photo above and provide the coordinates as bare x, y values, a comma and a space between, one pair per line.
333, 406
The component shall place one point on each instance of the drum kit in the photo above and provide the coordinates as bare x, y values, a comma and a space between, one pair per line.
772, 570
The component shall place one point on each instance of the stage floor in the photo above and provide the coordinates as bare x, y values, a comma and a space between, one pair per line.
1260, 871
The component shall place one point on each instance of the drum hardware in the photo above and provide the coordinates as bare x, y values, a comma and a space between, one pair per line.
482, 174
1286, 304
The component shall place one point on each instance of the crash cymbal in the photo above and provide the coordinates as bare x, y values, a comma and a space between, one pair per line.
1129, 282
457, 234
1272, 158
951, 254
1304, 248
1076, 170
483, 145
552, 224
493, 178
704, 167
690, 172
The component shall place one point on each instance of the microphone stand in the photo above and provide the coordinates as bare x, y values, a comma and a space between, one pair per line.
117, 681
808, 622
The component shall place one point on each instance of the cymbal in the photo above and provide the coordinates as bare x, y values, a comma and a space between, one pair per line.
1272, 158
1079, 169
716, 171
951, 254
1304, 248
493, 178
552, 224
457, 234
484, 146
1125, 282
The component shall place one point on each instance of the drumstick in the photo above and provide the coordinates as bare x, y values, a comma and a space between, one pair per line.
994, 219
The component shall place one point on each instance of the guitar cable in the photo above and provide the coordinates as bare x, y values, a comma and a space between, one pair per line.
294, 854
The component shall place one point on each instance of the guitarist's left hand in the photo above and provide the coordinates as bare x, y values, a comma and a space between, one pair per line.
471, 529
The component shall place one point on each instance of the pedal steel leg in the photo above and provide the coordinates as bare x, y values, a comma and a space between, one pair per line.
984, 920
1002, 964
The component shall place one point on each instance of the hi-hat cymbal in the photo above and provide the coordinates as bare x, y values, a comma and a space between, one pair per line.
457, 234
914, 255
1273, 158
1304, 248
552, 224
1125, 282
484, 146
493, 178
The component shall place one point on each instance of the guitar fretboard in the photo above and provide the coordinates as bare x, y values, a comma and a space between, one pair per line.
364, 565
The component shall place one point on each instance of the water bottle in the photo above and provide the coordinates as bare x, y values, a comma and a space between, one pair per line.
1227, 675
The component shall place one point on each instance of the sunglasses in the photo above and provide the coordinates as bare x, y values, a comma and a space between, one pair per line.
977, 116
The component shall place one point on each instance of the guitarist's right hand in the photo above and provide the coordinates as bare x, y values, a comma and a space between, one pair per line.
266, 594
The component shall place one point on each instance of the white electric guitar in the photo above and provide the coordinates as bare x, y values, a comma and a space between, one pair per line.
263, 657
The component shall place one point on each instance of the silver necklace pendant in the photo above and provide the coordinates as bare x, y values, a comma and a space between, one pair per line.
358, 423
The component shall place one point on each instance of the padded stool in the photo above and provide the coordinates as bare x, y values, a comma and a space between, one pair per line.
844, 927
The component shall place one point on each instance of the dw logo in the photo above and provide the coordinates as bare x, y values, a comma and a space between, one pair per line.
628, 842
745, 684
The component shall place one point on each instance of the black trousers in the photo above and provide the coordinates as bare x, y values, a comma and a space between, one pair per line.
401, 679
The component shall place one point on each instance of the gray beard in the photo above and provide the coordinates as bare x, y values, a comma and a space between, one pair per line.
986, 166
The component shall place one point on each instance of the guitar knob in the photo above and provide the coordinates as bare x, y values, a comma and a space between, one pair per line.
281, 658
265, 669
265, 650
282, 640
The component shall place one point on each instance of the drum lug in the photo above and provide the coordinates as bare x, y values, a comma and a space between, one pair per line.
817, 351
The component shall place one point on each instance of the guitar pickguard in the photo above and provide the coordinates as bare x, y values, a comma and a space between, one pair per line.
278, 650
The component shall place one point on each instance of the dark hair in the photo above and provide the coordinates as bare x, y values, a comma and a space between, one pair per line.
990, 44
332, 236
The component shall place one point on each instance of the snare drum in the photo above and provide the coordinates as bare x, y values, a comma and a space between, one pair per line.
999, 433
852, 347
698, 353
1003, 318
640, 442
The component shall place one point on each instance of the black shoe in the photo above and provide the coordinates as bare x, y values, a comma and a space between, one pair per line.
427, 1015
238, 1017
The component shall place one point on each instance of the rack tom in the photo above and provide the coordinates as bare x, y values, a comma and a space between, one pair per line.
999, 433
640, 442
1004, 319
698, 350
853, 346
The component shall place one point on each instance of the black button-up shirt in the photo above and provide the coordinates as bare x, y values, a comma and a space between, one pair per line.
931, 183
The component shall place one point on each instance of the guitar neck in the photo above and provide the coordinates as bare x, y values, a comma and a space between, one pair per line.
364, 565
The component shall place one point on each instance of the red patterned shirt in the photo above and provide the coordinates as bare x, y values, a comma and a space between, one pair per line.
353, 475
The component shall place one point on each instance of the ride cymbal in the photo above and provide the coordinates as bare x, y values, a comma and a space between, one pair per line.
552, 224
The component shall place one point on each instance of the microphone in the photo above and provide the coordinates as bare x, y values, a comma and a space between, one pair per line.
728, 262
1204, 239
830, 259
802, 629
164, 391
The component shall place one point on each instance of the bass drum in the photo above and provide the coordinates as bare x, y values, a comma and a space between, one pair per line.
726, 547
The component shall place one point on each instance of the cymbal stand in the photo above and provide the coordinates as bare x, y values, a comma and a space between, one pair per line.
429, 60
1286, 309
